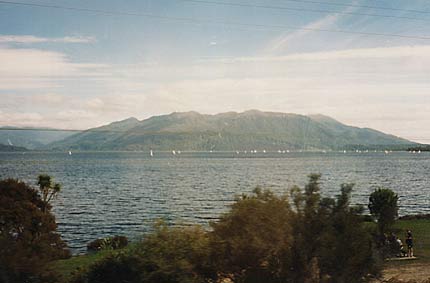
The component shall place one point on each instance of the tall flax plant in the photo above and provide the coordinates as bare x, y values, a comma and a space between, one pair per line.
48, 189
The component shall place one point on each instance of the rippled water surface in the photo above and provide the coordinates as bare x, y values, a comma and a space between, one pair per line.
113, 193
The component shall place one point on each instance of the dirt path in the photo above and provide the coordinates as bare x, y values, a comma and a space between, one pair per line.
418, 271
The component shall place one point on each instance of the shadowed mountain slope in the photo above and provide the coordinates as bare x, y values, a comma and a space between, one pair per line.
229, 131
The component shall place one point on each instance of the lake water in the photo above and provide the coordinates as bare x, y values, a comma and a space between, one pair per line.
122, 193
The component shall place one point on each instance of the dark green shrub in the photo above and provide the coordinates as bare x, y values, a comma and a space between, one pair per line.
176, 255
168, 255
249, 241
330, 240
28, 238
116, 242
114, 268
262, 238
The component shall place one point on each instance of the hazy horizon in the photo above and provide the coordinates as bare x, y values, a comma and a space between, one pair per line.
80, 65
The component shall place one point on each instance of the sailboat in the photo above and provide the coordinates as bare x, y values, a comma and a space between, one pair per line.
151, 153
9, 142
70, 153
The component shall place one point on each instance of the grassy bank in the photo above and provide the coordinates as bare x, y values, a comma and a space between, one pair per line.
66, 267
412, 270
421, 231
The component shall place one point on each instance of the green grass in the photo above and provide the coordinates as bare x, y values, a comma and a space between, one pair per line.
65, 267
421, 233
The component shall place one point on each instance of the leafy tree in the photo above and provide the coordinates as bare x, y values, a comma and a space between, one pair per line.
383, 207
28, 238
249, 241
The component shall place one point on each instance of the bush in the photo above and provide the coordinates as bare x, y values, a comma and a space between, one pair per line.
114, 268
116, 242
331, 242
176, 255
262, 238
168, 255
250, 241
28, 238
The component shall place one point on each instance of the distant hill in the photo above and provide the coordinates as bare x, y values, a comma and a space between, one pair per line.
11, 148
31, 138
229, 131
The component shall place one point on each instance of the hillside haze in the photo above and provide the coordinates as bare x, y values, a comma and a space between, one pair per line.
230, 131
30, 138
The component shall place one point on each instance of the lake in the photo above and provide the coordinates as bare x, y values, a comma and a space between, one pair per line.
110, 193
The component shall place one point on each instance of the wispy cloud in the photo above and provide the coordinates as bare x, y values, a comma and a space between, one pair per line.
30, 39
281, 43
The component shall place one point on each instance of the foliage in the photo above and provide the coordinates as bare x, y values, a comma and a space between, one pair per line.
168, 255
48, 189
177, 254
249, 241
65, 269
331, 242
114, 268
28, 238
383, 206
262, 238
116, 242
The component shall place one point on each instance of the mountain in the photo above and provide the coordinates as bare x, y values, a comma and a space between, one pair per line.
229, 131
11, 148
101, 138
31, 138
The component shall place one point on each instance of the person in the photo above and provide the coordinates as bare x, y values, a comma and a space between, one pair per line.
410, 243
401, 249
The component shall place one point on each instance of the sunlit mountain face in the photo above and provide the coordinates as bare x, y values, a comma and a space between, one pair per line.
250, 130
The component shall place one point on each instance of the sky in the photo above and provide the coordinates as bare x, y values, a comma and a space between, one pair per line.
77, 68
